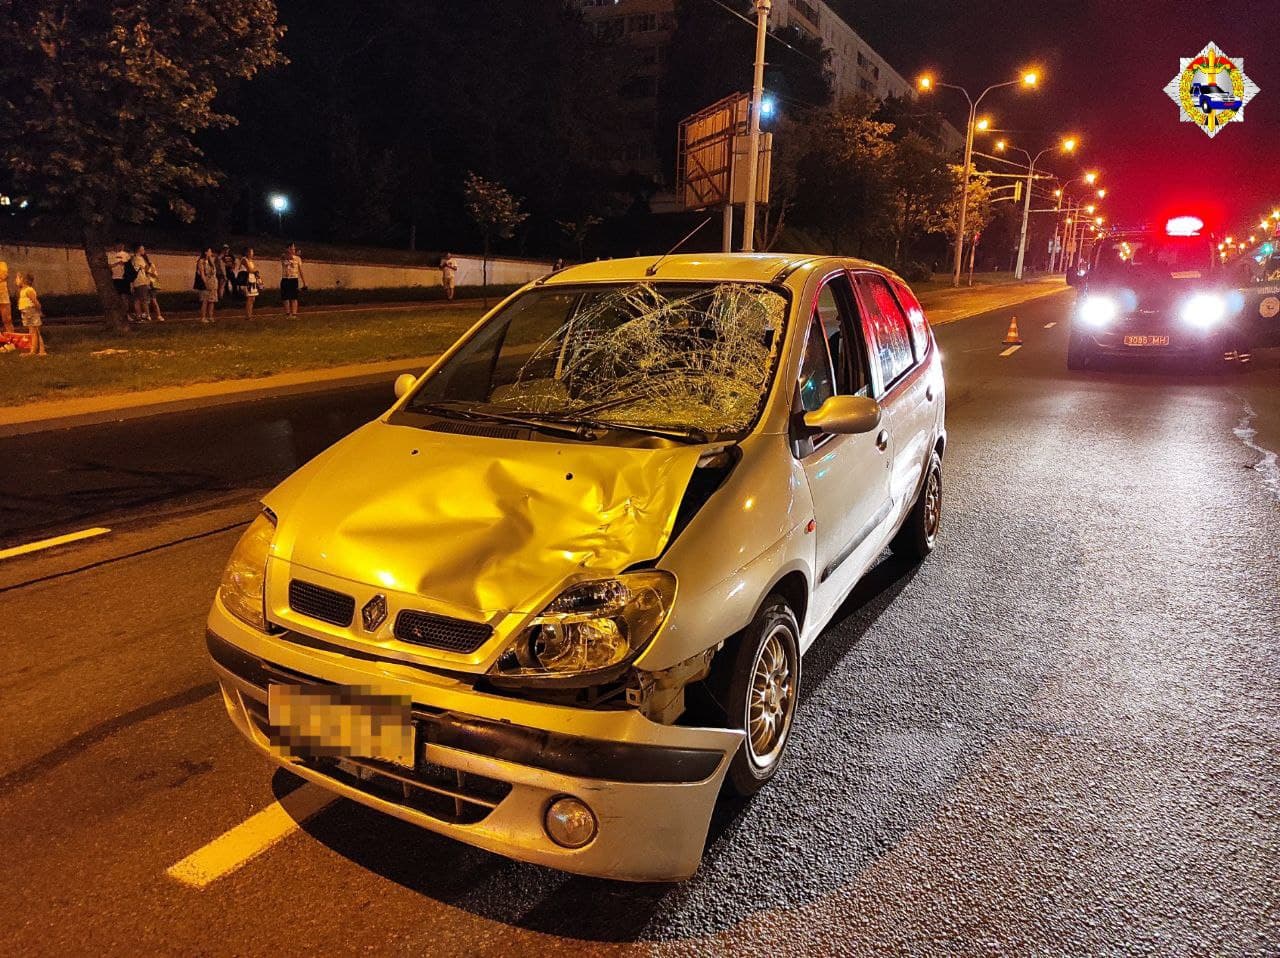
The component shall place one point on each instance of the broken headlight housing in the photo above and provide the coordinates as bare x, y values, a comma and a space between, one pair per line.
590, 628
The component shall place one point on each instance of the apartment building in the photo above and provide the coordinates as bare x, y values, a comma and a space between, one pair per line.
646, 27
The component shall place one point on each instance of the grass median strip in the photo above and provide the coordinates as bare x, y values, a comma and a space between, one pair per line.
84, 362
251, 837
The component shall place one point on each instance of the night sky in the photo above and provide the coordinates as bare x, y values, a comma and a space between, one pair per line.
1105, 64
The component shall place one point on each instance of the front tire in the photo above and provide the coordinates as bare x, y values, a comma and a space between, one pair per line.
919, 533
1078, 354
764, 687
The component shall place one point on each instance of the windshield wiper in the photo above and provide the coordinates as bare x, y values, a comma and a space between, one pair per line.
691, 434
551, 427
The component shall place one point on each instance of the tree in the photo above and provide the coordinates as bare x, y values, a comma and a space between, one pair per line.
495, 212
100, 105
980, 208
841, 191
577, 231
919, 185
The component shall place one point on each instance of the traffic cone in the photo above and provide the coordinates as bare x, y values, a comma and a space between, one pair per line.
1011, 338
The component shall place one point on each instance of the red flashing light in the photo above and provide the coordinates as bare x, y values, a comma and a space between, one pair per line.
1184, 226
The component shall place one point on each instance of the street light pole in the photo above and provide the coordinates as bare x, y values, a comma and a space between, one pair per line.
753, 140
927, 83
964, 188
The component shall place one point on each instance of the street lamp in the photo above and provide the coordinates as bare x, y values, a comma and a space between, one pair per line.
279, 204
1068, 145
753, 139
926, 84
1069, 231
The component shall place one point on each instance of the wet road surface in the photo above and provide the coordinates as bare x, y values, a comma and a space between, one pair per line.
1059, 734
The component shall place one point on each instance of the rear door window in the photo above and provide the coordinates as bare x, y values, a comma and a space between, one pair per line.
916, 323
890, 339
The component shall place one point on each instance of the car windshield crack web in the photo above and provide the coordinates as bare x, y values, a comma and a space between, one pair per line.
699, 358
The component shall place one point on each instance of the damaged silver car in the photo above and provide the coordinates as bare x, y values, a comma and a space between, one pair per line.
557, 597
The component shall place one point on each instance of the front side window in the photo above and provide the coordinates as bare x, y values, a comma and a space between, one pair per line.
683, 356
817, 378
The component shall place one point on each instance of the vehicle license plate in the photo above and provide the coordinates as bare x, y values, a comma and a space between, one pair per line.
1146, 340
340, 721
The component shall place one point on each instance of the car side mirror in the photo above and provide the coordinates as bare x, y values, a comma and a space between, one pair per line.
846, 415
404, 382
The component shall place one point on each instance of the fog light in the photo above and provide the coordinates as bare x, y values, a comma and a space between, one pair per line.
570, 823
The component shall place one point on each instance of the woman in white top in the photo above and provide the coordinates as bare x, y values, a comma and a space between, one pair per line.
249, 280
291, 279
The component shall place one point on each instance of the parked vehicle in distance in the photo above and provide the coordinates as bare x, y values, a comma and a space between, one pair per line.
557, 596
1159, 293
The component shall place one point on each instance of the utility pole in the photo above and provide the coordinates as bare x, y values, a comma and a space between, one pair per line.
753, 140
1026, 216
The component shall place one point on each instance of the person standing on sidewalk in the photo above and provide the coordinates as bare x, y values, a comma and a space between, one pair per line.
117, 262
249, 280
140, 265
291, 279
32, 313
448, 274
206, 283
226, 273
6, 310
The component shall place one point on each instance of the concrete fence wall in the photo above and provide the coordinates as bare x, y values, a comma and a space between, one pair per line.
62, 269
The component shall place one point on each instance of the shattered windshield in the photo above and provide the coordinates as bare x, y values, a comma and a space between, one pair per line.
695, 357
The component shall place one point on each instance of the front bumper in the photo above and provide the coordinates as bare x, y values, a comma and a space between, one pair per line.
488, 766
1181, 340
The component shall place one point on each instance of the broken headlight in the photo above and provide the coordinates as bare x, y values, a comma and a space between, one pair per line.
591, 626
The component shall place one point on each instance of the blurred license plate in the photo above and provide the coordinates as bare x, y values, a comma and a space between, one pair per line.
1146, 340
339, 721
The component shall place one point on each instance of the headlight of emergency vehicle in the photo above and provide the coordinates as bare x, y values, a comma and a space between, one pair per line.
244, 578
1204, 310
1097, 310
591, 626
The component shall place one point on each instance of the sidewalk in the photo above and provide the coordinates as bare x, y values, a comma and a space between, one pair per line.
942, 306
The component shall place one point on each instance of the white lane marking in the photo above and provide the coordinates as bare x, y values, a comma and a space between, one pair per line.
251, 837
1267, 467
50, 543
1050, 325
1010, 351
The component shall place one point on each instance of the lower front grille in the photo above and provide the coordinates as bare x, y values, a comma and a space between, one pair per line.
327, 605
441, 632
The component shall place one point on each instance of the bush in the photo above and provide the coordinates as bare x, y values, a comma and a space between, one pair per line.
916, 272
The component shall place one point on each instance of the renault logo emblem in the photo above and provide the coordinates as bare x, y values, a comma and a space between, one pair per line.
374, 613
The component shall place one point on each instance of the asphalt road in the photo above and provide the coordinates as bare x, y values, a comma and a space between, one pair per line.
1059, 735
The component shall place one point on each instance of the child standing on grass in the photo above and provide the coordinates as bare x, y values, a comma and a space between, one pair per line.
32, 314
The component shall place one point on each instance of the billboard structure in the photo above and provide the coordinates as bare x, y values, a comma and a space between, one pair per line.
711, 157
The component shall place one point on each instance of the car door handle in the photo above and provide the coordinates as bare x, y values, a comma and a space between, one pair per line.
882, 440
928, 393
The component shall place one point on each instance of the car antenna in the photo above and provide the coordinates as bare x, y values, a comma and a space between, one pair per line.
654, 268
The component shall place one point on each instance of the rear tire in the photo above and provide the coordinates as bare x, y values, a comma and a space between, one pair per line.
919, 532
763, 688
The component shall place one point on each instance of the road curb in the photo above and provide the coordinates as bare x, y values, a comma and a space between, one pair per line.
158, 402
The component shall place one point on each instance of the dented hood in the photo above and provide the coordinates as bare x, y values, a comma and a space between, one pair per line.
491, 525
